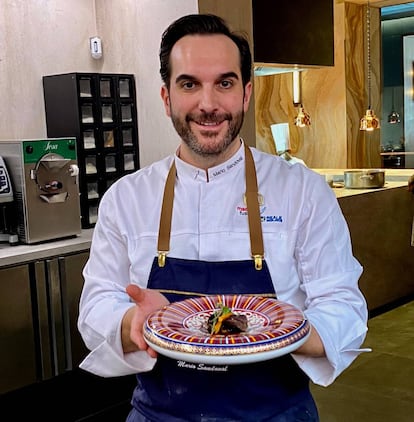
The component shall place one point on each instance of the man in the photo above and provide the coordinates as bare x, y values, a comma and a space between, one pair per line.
307, 258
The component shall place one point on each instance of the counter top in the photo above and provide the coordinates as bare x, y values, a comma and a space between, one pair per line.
397, 153
400, 175
394, 178
341, 192
20, 254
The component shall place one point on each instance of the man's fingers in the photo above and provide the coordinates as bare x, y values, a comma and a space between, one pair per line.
152, 352
135, 292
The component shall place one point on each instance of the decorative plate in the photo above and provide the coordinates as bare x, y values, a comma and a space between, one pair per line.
179, 330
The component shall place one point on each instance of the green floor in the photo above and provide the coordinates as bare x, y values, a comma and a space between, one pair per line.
378, 386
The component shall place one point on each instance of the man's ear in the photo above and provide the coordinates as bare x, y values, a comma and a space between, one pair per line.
248, 89
166, 100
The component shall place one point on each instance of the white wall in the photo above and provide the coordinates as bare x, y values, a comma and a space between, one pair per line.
43, 37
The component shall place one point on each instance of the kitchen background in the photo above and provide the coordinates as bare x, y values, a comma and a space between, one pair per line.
51, 37
48, 37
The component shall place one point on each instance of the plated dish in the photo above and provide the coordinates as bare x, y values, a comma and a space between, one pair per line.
179, 330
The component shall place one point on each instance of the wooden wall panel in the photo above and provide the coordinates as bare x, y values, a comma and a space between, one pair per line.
335, 96
323, 144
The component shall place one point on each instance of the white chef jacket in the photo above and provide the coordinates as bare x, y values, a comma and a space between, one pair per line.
306, 242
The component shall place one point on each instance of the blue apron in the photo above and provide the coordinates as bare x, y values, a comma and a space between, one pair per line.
274, 390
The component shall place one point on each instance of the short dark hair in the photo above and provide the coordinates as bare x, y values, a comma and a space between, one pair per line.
202, 24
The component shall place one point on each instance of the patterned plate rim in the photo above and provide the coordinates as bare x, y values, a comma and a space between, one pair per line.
296, 335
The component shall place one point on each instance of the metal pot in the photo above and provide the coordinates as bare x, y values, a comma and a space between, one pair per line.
364, 179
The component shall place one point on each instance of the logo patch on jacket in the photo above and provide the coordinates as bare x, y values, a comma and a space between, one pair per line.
242, 210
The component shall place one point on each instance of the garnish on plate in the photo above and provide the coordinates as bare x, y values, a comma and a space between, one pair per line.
224, 321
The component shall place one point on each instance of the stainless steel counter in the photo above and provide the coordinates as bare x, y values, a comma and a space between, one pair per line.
12, 255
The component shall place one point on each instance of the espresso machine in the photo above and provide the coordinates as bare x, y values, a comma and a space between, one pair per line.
44, 175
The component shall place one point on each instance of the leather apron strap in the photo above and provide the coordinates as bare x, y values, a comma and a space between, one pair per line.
253, 210
252, 198
164, 230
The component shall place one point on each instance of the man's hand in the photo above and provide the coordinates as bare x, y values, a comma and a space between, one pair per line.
146, 301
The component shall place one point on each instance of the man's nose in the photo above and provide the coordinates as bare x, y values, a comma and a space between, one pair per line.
208, 100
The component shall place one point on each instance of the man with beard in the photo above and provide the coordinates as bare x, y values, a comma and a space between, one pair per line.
186, 226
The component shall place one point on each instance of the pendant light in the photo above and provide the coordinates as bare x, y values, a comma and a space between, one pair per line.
393, 117
369, 121
302, 119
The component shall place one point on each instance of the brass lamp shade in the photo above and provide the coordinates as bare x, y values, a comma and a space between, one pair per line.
394, 118
370, 121
303, 118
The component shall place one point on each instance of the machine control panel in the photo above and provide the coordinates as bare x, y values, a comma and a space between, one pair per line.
6, 191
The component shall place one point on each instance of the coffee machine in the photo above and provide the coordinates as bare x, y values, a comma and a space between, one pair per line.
44, 173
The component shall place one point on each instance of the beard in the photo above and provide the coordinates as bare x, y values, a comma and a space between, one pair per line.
217, 143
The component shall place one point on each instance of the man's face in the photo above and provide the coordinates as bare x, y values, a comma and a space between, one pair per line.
206, 99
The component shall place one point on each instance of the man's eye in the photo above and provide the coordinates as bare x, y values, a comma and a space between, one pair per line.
188, 85
226, 84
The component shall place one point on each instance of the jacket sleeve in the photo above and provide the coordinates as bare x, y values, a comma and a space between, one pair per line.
104, 301
334, 304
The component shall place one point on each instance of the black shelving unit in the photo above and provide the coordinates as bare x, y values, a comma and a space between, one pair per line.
99, 109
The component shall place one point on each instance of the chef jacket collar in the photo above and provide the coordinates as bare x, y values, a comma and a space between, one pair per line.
213, 172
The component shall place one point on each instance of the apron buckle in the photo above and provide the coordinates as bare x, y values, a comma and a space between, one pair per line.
161, 258
258, 262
